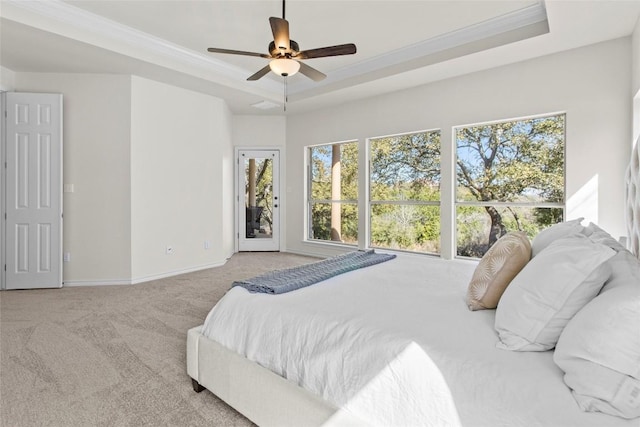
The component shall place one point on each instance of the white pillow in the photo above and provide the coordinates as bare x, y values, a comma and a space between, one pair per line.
599, 351
625, 268
555, 232
598, 235
549, 291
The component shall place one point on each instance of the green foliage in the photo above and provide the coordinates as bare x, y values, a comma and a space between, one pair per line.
510, 162
320, 162
519, 161
406, 168
402, 166
407, 227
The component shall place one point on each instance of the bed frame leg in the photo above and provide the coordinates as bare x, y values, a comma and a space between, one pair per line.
196, 386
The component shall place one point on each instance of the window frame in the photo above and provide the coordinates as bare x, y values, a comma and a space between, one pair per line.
448, 240
370, 202
310, 201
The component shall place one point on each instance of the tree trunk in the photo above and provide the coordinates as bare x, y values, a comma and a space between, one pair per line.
336, 208
497, 227
252, 183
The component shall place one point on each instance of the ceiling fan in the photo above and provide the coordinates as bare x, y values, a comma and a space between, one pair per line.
285, 54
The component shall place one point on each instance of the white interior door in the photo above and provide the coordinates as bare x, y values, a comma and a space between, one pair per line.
33, 191
258, 200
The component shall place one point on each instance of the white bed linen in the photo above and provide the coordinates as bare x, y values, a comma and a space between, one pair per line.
394, 344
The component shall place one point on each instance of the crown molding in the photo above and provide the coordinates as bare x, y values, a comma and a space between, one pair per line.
69, 21
74, 22
434, 50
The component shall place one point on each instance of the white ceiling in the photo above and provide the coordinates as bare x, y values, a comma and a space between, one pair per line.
400, 43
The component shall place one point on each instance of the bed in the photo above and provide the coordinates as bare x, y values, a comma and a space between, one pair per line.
396, 343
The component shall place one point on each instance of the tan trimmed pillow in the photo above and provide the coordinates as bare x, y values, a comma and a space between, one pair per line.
497, 268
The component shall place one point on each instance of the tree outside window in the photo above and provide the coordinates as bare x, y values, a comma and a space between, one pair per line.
510, 176
333, 193
405, 192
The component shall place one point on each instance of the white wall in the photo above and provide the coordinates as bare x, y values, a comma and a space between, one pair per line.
227, 183
7, 79
590, 84
96, 138
151, 166
180, 147
259, 131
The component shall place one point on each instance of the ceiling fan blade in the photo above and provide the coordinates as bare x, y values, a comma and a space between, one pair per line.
280, 30
237, 52
263, 72
311, 72
321, 52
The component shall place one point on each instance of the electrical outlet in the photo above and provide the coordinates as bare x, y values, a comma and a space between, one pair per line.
169, 250
67, 257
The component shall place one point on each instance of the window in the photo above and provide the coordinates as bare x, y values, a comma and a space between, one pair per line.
405, 192
510, 176
333, 193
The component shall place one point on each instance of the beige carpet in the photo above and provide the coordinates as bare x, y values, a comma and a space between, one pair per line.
114, 355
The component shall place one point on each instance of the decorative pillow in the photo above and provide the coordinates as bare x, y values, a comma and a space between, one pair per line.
502, 262
549, 291
599, 351
555, 232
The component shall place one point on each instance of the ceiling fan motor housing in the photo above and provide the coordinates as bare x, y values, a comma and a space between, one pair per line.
275, 52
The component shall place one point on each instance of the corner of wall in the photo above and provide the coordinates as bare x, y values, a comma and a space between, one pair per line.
228, 188
7, 79
96, 159
181, 156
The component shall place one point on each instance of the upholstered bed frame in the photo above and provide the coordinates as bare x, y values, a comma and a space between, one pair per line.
270, 400
265, 398
633, 200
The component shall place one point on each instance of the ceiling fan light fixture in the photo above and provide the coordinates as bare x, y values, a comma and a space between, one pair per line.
284, 66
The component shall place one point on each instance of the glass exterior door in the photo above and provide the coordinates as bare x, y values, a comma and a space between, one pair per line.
259, 204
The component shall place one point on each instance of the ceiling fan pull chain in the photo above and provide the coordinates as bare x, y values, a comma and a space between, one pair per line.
286, 98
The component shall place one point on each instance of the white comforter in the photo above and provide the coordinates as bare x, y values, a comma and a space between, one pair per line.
394, 344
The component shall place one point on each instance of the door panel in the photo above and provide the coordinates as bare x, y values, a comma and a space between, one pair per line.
34, 191
258, 197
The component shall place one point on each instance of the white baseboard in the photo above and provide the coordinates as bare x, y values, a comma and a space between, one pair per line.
142, 279
108, 282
